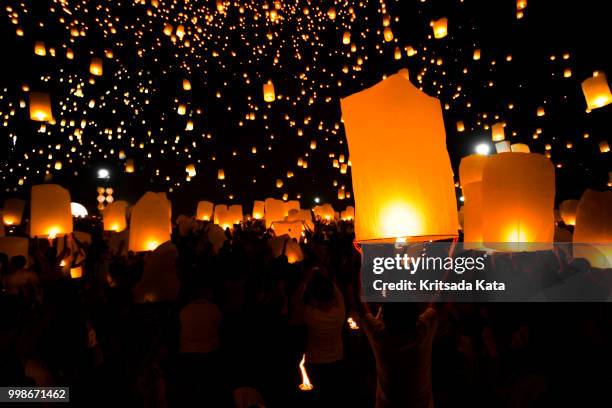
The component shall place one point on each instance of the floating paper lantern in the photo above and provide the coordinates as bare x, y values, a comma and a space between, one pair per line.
568, 210
348, 214
14, 246
40, 49
541, 112
596, 91
497, 132
346, 38
129, 166
470, 177
476, 55
268, 91
150, 222
324, 212
440, 27
521, 4
593, 230
503, 146
291, 205
226, 216
113, 216
290, 228
258, 209
78, 210
40, 107
460, 126
331, 13
395, 197
274, 211
191, 170
520, 148
388, 34
518, 192
50, 214
204, 211
235, 213
12, 212
221, 174
604, 147
95, 67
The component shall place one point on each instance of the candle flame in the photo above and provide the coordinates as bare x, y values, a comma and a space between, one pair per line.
306, 385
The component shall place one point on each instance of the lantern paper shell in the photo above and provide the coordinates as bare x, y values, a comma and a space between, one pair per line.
258, 209
275, 211
596, 91
95, 67
113, 216
50, 212
470, 177
402, 184
268, 92
204, 211
149, 222
291, 228
593, 230
497, 132
14, 246
520, 148
568, 210
518, 192
40, 107
13, 211
440, 28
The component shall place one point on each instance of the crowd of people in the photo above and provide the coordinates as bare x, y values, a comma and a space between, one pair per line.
195, 324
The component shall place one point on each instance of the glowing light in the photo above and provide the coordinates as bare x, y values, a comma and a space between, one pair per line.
306, 385
400, 220
352, 324
103, 173
483, 149
151, 245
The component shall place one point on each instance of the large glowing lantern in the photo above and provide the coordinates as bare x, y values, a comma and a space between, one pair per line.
568, 210
324, 212
396, 197
226, 216
40, 107
291, 205
50, 213
470, 177
13, 211
95, 67
275, 211
113, 216
14, 246
268, 91
596, 91
518, 192
292, 228
149, 222
258, 209
497, 132
204, 211
593, 230
440, 27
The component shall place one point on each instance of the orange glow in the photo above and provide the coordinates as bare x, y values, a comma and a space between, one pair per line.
50, 212
596, 91
352, 324
40, 107
306, 385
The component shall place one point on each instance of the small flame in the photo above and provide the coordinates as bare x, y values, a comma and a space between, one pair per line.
53, 232
352, 324
306, 385
152, 245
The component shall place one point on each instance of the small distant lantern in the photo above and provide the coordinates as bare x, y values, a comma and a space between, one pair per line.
346, 38
596, 91
476, 55
440, 27
129, 166
40, 107
186, 85
388, 34
497, 132
221, 174
568, 209
40, 49
460, 126
268, 91
95, 67
12, 213
520, 148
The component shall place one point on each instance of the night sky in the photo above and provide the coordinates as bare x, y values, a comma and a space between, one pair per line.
230, 49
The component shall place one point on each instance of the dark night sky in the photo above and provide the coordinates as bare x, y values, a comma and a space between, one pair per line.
143, 57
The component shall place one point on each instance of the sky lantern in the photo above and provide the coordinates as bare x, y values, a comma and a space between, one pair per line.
476, 55
221, 174
604, 147
324, 212
346, 38
95, 67
593, 230
291, 228
204, 211
129, 166
331, 13
186, 85
388, 34
394, 197
518, 192
440, 27
150, 222
596, 91
520, 148
12, 213
258, 209
540, 111
521, 4
348, 214
191, 170
291, 205
50, 212
568, 210
227, 217
470, 177
235, 213
497, 132
274, 211
268, 91
40, 107
113, 216
460, 126
14, 246
40, 49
